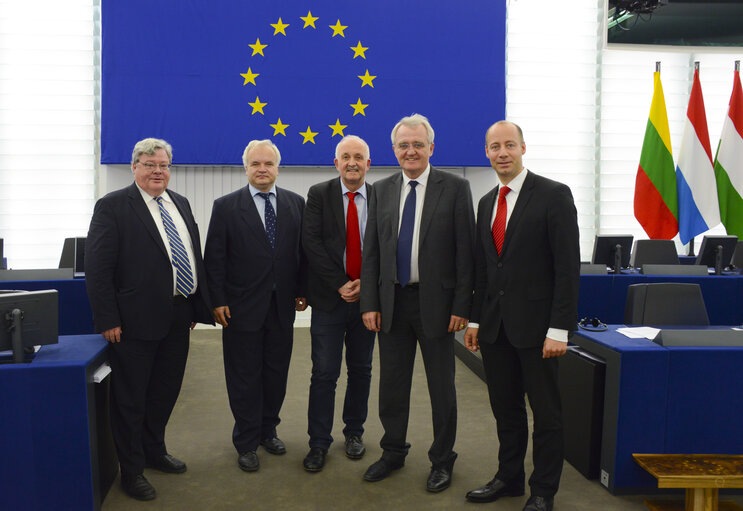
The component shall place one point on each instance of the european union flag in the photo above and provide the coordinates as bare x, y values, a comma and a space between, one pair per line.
211, 75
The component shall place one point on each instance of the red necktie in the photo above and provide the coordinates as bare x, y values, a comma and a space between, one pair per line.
499, 225
353, 239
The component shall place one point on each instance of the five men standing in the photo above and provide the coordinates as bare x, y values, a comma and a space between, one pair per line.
416, 288
257, 271
332, 235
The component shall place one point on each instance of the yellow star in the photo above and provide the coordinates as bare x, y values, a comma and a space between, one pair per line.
257, 106
309, 20
249, 77
338, 29
278, 27
309, 136
358, 50
337, 128
258, 47
366, 79
279, 127
358, 108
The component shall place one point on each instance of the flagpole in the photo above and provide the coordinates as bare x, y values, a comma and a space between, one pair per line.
690, 252
737, 65
657, 66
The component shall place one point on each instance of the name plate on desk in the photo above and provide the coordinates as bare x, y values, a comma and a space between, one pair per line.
674, 269
700, 338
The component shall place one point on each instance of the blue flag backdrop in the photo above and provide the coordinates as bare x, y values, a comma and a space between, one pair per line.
211, 75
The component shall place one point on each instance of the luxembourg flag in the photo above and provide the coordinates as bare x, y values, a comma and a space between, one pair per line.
695, 173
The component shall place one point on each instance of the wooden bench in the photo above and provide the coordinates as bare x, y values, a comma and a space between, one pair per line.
700, 474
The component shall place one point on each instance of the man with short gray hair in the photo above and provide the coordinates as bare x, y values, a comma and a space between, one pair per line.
147, 286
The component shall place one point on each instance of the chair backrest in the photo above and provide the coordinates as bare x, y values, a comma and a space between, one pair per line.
737, 256
669, 303
654, 252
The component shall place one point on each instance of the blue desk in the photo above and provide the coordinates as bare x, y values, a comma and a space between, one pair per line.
604, 296
75, 316
663, 400
55, 447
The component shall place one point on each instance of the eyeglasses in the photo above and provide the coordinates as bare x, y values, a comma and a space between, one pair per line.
404, 146
152, 166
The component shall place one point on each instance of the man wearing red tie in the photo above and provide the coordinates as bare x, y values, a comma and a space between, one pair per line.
332, 234
524, 306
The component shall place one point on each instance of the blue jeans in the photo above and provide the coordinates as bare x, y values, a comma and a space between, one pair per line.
330, 331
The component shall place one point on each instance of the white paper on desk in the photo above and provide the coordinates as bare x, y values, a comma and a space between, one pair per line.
639, 332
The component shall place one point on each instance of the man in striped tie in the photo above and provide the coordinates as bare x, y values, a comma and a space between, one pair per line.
525, 304
147, 287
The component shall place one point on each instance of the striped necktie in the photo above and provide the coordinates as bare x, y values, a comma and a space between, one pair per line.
183, 274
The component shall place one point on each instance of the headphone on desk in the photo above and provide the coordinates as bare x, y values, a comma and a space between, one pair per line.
592, 325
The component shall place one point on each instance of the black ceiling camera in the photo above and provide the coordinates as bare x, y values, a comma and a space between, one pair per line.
592, 324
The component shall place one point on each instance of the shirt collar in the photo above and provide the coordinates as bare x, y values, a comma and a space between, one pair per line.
517, 182
255, 191
361, 191
422, 179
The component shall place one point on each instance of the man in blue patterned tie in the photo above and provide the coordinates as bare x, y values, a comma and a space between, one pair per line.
255, 263
147, 287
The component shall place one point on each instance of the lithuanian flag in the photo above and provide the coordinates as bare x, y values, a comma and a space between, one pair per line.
656, 205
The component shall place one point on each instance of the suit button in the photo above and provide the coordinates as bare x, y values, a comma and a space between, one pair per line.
500, 265
501, 292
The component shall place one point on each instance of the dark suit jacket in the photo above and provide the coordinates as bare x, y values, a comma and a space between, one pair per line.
533, 285
243, 270
128, 274
445, 251
324, 243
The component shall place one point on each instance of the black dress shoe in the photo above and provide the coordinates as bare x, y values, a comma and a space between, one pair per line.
138, 487
248, 461
438, 480
273, 445
167, 463
355, 447
380, 470
494, 490
539, 504
315, 459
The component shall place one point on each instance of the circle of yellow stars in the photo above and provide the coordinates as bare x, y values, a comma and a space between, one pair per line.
279, 127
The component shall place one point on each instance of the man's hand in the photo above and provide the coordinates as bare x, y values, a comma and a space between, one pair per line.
457, 323
372, 320
221, 314
112, 334
553, 348
470, 339
350, 291
300, 304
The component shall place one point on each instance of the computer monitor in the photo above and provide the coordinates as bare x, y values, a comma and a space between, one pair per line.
612, 250
3, 264
27, 319
73, 256
717, 251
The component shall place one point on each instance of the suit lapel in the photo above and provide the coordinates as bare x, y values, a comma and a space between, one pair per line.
433, 193
140, 208
391, 206
181, 207
336, 206
487, 225
283, 216
525, 195
252, 219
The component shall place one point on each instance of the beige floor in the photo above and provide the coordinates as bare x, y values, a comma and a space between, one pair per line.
201, 425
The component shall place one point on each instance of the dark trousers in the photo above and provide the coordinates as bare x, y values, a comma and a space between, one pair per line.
511, 372
256, 365
146, 377
397, 357
330, 331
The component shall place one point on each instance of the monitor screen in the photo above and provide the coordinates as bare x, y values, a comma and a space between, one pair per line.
709, 248
605, 248
39, 318
3, 266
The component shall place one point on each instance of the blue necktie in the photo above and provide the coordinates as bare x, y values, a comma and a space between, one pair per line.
183, 275
405, 237
270, 218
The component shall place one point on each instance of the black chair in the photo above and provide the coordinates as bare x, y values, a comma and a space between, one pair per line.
654, 252
665, 304
737, 255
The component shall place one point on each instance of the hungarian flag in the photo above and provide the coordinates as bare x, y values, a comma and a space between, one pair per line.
729, 164
695, 174
656, 206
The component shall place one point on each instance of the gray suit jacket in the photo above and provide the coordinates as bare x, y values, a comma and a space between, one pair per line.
445, 251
